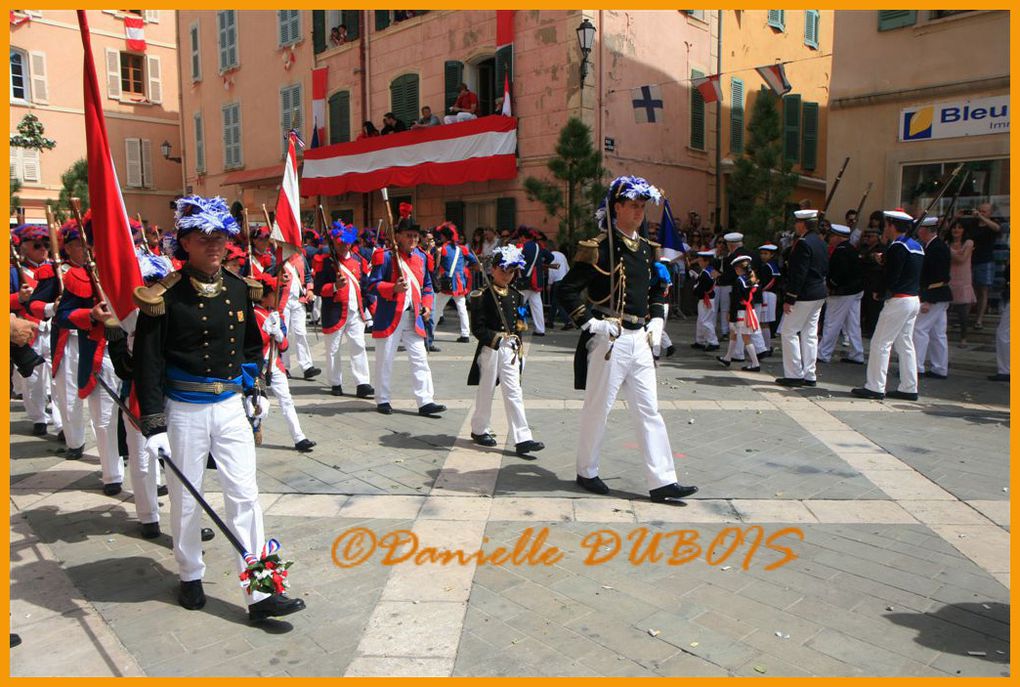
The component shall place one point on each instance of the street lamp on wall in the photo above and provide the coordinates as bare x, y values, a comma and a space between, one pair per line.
585, 40
165, 149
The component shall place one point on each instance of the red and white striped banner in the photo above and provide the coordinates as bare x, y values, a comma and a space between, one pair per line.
477, 150
775, 76
134, 31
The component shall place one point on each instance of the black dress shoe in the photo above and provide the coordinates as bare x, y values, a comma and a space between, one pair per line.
463, 339
312, 372
162, 490
864, 392
431, 409
723, 361
902, 395
384, 408
15, 640
207, 534
191, 596
435, 349
765, 354
713, 347
273, 607
484, 439
670, 350
790, 381
593, 484
39, 429
748, 368
671, 493
75, 453
112, 489
810, 382
150, 530
935, 375
538, 333
304, 446
336, 390
998, 378
698, 346
364, 391
60, 437
526, 447
851, 361
567, 327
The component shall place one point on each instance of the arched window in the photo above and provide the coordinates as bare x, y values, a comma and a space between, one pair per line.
19, 75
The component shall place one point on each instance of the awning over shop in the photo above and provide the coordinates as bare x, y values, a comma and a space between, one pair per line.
446, 155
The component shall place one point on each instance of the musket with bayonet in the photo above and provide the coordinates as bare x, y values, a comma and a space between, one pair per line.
58, 262
835, 185
937, 198
860, 206
91, 269
400, 266
948, 215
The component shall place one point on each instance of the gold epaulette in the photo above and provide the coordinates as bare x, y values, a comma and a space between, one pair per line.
149, 299
588, 250
656, 248
254, 289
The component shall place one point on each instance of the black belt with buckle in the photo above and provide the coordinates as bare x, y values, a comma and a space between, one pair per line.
632, 322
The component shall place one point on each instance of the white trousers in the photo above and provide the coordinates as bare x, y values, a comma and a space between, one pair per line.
500, 365
297, 335
895, 329
1002, 341
800, 339
722, 307
103, 412
195, 430
930, 338
461, 302
459, 117
354, 332
281, 390
534, 302
317, 309
144, 477
630, 367
704, 330
36, 388
65, 395
385, 349
842, 313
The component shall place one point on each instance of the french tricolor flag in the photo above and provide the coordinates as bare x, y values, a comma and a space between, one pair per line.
775, 76
134, 31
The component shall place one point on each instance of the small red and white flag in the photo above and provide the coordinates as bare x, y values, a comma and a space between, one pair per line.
319, 88
114, 248
507, 112
709, 88
134, 30
287, 223
775, 76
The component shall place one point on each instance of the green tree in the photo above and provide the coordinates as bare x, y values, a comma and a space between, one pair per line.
762, 179
577, 189
74, 184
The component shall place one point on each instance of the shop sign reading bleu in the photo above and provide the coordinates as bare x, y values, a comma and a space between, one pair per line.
955, 119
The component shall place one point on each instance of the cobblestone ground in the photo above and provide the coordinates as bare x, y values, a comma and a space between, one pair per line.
901, 545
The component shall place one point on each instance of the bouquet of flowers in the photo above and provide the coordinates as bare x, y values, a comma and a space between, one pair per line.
268, 573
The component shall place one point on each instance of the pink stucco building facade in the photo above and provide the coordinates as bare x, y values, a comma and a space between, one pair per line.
246, 78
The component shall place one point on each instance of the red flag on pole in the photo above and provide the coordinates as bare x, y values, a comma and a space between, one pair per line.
287, 223
134, 30
114, 248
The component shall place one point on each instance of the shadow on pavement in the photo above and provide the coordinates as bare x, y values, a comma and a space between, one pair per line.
941, 630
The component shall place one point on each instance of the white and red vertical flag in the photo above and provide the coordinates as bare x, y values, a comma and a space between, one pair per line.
319, 87
287, 223
134, 31
775, 76
506, 112
114, 248
709, 88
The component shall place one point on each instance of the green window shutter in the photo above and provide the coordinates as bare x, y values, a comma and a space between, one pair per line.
455, 213
777, 19
319, 30
894, 19
382, 19
453, 74
404, 98
504, 65
352, 20
809, 154
345, 216
791, 128
811, 28
736, 116
506, 213
697, 114
340, 117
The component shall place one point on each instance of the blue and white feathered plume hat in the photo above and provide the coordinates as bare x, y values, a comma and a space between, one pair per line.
508, 257
209, 215
344, 233
153, 267
632, 188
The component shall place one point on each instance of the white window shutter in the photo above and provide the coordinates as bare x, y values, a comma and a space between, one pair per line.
147, 179
30, 165
132, 149
113, 73
152, 16
199, 144
155, 79
40, 93
15, 162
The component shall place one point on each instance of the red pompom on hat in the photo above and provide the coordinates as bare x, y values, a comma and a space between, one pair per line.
405, 210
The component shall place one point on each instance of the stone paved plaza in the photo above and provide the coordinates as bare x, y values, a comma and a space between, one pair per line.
903, 568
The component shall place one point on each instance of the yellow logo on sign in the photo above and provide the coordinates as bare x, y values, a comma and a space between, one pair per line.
919, 123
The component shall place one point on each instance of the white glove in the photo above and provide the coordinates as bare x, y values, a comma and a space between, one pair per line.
368, 322
273, 327
263, 410
654, 329
155, 444
601, 327
49, 310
